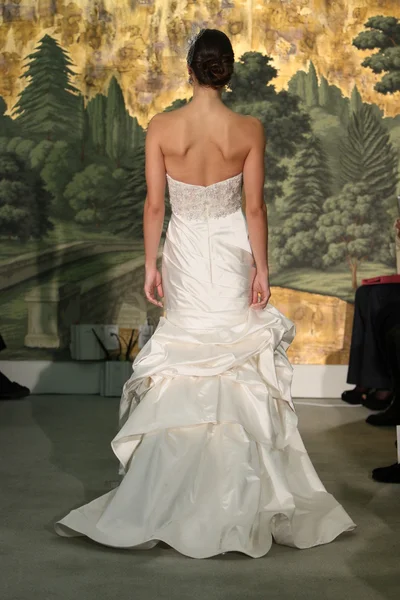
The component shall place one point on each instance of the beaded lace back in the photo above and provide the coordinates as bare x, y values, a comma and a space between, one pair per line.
198, 202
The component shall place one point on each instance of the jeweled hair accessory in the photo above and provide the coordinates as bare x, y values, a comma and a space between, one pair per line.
191, 44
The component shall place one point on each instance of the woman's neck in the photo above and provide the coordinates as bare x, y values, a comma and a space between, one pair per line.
207, 97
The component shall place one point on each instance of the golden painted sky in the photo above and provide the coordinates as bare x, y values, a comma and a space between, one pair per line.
143, 42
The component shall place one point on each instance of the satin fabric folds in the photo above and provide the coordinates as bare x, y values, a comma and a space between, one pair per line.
208, 445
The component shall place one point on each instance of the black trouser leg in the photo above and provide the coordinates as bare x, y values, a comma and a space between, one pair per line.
5, 383
388, 334
366, 367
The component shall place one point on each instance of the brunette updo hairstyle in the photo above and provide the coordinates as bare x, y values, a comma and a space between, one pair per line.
211, 58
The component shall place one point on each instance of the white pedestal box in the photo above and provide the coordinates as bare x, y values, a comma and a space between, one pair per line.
84, 345
114, 375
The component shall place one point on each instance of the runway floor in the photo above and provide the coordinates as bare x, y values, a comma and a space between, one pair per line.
56, 455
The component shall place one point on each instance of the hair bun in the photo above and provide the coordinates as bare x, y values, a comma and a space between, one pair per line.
212, 59
213, 66
214, 71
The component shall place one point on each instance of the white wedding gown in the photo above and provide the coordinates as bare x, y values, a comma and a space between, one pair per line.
208, 441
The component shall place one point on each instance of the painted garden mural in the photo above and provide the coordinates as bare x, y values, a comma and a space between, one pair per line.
79, 83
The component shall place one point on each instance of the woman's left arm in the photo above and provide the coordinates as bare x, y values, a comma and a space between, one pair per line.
154, 210
154, 206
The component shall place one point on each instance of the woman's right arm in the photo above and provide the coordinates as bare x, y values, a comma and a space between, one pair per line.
253, 183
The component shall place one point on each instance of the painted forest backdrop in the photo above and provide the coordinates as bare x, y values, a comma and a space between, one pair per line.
72, 189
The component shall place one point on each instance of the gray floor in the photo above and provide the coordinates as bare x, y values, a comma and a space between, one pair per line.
56, 455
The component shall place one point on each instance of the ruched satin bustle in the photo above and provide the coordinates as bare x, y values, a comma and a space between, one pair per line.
208, 445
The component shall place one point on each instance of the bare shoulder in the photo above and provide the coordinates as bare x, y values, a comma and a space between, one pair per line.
254, 125
156, 122
162, 123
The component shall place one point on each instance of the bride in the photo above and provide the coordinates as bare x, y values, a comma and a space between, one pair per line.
208, 446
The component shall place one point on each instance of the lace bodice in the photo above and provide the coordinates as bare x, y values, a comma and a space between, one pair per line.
199, 202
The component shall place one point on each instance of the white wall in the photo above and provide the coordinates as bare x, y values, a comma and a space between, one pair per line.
46, 377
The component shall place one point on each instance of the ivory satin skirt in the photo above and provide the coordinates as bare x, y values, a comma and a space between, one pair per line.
208, 445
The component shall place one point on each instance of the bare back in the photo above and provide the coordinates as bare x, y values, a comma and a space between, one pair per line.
204, 143
203, 147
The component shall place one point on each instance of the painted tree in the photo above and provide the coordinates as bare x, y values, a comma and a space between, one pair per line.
91, 193
47, 106
21, 147
324, 96
312, 85
356, 102
83, 121
126, 216
330, 97
116, 119
367, 154
297, 85
39, 154
24, 202
135, 134
7, 125
59, 168
284, 121
176, 104
384, 35
96, 110
351, 228
295, 243
251, 79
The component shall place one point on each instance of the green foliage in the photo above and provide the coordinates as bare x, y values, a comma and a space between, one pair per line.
3, 106
312, 86
126, 213
18, 145
285, 127
384, 35
324, 93
135, 135
91, 193
3, 144
251, 79
297, 85
295, 243
47, 106
62, 161
330, 97
116, 121
306, 86
284, 122
96, 109
176, 104
7, 125
329, 129
83, 121
367, 154
24, 203
352, 227
356, 102
40, 153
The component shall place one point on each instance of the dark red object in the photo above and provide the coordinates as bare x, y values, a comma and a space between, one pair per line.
382, 279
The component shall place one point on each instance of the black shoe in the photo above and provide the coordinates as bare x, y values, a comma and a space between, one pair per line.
373, 403
13, 391
354, 396
387, 474
387, 418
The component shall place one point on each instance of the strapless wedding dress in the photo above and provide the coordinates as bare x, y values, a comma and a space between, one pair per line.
208, 442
